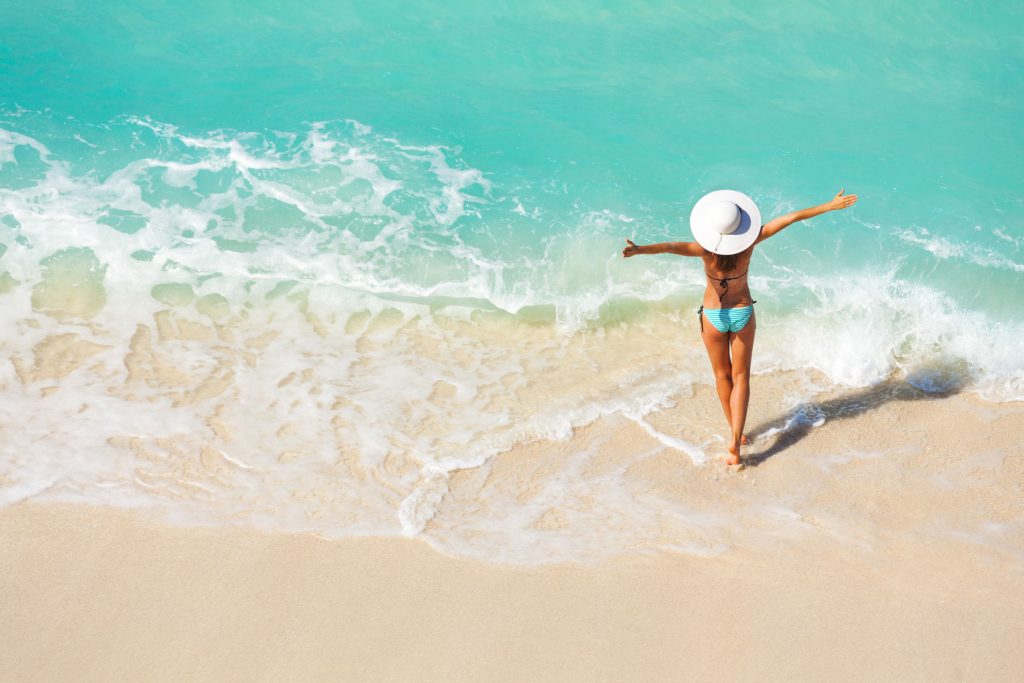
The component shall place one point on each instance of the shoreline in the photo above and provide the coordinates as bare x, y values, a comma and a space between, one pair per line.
94, 593
855, 467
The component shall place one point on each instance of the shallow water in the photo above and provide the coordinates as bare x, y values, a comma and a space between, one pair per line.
277, 242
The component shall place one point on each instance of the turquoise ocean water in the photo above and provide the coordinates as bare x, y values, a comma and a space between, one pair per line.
485, 162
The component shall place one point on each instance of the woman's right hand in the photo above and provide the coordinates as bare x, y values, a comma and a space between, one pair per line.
841, 201
631, 250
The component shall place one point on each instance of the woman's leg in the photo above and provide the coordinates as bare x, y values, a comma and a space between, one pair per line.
742, 351
717, 344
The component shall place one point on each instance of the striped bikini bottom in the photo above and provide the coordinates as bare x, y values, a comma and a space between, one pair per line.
726, 319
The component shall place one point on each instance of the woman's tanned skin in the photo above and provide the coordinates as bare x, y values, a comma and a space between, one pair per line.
730, 353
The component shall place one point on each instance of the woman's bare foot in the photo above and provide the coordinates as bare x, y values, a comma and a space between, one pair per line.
734, 455
744, 441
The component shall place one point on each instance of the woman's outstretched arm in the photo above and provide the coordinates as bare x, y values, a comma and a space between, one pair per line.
840, 201
680, 248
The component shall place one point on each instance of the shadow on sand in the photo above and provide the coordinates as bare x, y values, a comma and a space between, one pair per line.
797, 423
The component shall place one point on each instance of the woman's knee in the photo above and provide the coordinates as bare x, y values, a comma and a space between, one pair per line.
740, 376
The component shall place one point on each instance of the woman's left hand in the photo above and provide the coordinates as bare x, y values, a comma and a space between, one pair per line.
631, 250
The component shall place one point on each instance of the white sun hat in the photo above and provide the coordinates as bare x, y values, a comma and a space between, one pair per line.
725, 221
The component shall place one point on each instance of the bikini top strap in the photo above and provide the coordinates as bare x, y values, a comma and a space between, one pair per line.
724, 278
724, 281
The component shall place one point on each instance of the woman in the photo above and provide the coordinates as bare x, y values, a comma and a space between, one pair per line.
724, 224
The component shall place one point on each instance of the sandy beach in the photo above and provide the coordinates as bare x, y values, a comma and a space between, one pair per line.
341, 343
908, 569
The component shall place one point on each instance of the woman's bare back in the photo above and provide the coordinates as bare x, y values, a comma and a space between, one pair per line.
727, 289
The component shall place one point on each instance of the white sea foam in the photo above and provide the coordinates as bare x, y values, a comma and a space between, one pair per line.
861, 328
945, 248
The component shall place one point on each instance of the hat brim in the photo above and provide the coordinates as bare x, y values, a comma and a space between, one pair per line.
737, 240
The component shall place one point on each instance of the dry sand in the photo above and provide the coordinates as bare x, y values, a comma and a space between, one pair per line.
97, 594
887, 582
